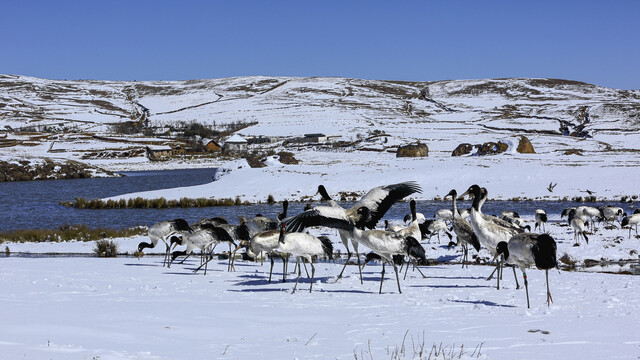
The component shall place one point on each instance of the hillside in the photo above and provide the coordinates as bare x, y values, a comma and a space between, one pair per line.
598, 128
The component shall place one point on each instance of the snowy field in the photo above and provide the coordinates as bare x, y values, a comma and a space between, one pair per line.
84, 307
125, 308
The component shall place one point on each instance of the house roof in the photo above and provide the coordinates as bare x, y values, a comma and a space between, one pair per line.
159, 147
236, 139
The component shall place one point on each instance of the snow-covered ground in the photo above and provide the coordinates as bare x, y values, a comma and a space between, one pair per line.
128, 308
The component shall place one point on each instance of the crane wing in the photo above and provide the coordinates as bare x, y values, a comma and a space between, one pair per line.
320, 216
379, 199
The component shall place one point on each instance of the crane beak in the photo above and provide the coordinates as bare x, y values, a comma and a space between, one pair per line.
461, 197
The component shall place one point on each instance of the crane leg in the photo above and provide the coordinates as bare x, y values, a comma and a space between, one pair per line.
420, 271
305, 267
397, 277
516, 277
229, 263
355, 249
166, 255
549, 298
494, 271
181, 262
381, 277
345, 263
284, 268
406, 270
526, 286
271, 269
313, 272
299, 273
464, 254
205, 264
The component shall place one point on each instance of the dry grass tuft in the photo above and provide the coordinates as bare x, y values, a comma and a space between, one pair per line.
106, 248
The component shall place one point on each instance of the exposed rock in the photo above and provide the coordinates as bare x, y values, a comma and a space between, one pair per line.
25, 170
525, 147
573, 152
462, 149
418, 150
492, 148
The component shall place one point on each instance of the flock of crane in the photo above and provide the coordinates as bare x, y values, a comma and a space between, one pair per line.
506, 238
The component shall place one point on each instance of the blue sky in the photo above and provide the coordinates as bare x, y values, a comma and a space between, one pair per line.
592, 41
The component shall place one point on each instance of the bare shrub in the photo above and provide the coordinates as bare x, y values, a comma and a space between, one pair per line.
106, 248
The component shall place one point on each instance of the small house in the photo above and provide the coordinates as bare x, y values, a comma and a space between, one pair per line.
235, 144
158, 151
211, 146
315, 138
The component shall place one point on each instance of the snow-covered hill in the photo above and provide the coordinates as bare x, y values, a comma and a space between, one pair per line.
602, 125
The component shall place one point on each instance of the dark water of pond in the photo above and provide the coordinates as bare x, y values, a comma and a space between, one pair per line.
35, 204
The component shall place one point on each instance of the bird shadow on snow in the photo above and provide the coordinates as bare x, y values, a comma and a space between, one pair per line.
455, 286
458, 277
149, 265
482, 302
448, 258
260, 290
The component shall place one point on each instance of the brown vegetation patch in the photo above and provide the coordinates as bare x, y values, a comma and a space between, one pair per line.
158, 203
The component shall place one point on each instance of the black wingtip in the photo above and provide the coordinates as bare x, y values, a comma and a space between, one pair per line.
327, 246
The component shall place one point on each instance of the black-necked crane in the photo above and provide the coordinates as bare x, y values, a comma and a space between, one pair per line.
464, 231
387, 244
526, 250
565, 212
398, 259
611, 213
389, 227
258, 224
592, 213
516, 221
443, 214
265, 242
489, 229
631, 220
204, 238
283, 215
303, 247
413, 229
215, 221
541, 219
435, 227
577, 221
509, 213
163, 231
378, 200
230, 234
484, 194
384, 243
